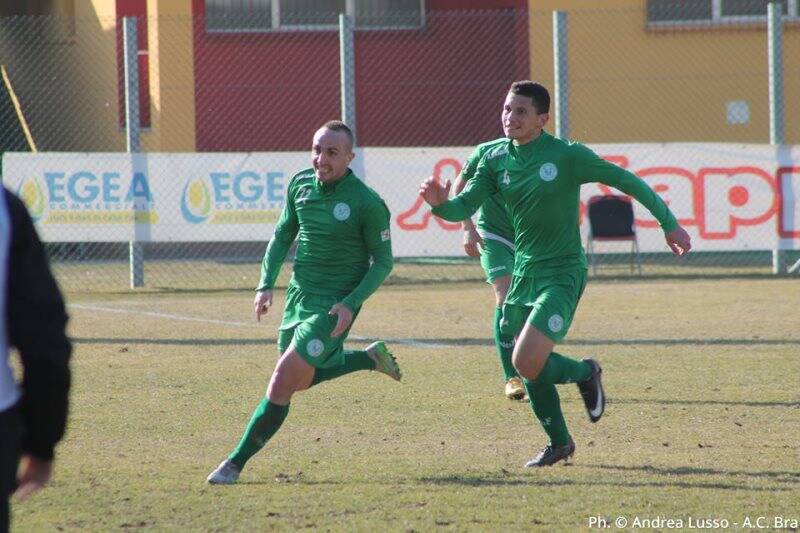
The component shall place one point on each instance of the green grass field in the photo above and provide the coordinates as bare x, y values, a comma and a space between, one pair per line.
703, 419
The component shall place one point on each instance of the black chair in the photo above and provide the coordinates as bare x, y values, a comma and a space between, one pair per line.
611, 219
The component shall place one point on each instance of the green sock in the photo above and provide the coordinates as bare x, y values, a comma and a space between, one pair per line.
504, 345
266, 420
546, 406
353, 362
560, 369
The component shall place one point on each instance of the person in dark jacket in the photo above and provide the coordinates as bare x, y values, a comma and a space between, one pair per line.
33, 320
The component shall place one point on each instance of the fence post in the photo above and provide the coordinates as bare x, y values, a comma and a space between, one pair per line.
347, 69
560, 74
131, 55
776, 119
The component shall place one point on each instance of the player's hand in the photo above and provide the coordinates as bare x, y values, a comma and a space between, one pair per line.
262, 303
33, 476
472, 240
679, 241
433, 192
344, 318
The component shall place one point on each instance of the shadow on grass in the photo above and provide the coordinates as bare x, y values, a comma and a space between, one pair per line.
783, 477
176, 342
464, 341
523, 479
744, 403
683, 342
616, 342
507, 481
446, 342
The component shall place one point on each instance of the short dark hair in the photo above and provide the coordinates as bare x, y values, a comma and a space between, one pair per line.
338, 125
534, 91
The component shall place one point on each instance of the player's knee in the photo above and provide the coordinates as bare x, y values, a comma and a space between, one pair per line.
281, 387
526, 365
523, 365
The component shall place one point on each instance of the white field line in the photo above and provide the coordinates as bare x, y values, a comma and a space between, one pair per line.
185, 318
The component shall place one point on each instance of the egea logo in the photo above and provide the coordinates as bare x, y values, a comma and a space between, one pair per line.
32, 194
88, 197
196, 201
244, 197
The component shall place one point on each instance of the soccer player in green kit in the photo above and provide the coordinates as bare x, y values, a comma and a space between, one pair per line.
493, 241
344, 253
539, 177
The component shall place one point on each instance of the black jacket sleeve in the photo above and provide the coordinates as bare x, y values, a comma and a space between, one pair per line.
37, 323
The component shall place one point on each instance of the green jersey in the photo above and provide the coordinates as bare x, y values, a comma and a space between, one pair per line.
540, 183
493, 218
344, 247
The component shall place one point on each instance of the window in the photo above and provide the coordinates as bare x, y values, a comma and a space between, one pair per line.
388, 13
689, 12
672, 10
238, 15
740, 8
310, 12
265, 15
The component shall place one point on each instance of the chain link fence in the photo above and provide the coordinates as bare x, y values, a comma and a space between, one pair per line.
230, 96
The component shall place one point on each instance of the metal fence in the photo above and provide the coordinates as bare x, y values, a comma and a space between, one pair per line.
697, 102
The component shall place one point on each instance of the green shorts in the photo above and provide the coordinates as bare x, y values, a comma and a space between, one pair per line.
307, 324
546, 302
497, 258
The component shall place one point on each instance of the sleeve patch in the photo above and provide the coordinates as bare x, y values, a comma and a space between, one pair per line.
385, 235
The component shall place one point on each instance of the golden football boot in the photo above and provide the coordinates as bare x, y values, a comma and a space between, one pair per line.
514, 389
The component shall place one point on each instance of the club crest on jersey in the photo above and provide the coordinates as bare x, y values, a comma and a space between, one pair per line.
315, 347
548, 172
341, 211
555, 323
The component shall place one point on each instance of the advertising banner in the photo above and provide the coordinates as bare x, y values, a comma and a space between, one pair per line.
729, 197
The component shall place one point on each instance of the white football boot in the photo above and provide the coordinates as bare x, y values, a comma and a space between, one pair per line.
226, 473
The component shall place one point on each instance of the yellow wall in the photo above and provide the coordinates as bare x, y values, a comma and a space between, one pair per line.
629, 83
96, 62
171, 77
63, 70
68, 85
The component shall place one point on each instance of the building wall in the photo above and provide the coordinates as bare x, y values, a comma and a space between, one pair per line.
630, 83
166, 81
96, 56
171, 77
62, 69
68, 74
260, 91
441, 85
